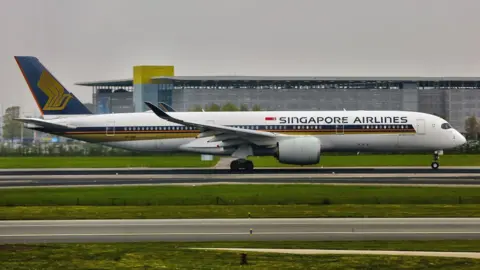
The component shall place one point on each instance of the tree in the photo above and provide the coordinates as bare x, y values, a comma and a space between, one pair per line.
212, 107
244, 107
229, 107
196, 108
472, 127
12, 129
256, 108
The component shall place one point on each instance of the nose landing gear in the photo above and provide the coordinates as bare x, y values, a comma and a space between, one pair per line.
241, 165
435, 163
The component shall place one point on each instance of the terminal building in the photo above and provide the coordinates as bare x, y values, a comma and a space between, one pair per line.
453, 98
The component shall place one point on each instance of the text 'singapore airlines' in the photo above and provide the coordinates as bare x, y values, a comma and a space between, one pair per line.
341, 120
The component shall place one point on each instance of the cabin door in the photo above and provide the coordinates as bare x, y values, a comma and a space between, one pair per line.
420, 127
110, 128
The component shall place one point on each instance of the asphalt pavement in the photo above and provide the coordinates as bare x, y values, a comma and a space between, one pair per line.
122, 176
239, 230
214, 171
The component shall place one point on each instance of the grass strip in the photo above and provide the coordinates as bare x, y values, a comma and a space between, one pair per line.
106, 162
281, 194
195, 161
377, 161
174, 256
236, 201
236, 211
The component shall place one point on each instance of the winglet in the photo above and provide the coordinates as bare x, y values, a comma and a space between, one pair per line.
166, 107
156, 110
163, 115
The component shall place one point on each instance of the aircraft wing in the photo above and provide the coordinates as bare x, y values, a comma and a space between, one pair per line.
43, 123
221, 133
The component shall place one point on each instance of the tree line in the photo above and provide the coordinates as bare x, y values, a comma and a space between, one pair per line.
14, 129
227, 107
472, 128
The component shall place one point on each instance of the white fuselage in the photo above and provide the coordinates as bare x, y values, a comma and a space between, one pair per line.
351, 131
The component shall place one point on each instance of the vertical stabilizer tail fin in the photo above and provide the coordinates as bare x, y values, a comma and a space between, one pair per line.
50, 95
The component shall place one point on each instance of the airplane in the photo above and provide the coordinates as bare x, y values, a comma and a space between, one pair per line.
292, 137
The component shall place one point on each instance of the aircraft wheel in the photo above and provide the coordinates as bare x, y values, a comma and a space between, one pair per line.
435, 165
234, 166
241, 165
249, 166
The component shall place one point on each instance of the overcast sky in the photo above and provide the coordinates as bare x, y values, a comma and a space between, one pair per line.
102, 39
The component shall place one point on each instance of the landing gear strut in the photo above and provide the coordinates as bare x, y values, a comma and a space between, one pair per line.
435, 163
241, 165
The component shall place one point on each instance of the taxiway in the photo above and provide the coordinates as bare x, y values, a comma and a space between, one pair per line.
122, 176
239, 230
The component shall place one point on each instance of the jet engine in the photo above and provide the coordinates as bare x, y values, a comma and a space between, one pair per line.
298, 151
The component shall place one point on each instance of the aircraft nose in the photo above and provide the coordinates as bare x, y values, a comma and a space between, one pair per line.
459, 138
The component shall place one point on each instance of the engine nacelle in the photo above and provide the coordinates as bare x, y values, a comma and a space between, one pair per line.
299, 151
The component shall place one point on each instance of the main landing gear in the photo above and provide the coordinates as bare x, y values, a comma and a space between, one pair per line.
241, 165
435, 163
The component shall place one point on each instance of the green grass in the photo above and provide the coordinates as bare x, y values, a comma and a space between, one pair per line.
105, 162
195, 161
420, 245
377, 161
281, 194
177, 256
233, 201
237, 211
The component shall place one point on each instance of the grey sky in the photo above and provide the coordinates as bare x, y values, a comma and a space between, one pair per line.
102, 39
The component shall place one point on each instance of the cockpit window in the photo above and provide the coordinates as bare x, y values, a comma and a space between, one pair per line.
446, 126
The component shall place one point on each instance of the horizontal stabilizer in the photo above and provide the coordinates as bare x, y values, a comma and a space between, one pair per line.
43, 123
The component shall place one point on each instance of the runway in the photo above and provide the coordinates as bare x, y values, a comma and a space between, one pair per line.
213, 171
126, 176
190, 230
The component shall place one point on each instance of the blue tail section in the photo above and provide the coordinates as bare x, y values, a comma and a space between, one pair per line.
51, 97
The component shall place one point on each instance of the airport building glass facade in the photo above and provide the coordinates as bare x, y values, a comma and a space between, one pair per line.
113, 100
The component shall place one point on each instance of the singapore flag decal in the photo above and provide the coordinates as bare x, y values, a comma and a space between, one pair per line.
269, 118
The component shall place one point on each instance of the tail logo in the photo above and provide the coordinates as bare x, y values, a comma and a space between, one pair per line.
57, 98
